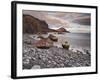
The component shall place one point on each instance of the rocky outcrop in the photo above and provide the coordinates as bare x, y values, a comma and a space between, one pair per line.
53, 38
66, 45
44, 43
62, 30
47, 42
34, 25
41, 37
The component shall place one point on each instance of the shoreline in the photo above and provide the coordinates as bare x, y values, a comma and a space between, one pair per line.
53, 57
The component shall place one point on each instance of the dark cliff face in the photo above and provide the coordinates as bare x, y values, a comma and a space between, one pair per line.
34, 25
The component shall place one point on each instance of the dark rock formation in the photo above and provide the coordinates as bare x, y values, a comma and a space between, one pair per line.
53, 38
41, 37
62, 30
43, 43
34, 25
66, 45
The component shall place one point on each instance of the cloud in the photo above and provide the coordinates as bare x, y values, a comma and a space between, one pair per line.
55, 20
38, 14
69, 20
74, 27
50, 17
86, 20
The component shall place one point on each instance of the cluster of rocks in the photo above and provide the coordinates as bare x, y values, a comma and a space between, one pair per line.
40, 41
54, 57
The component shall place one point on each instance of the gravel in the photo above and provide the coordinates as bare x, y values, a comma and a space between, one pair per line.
54, 57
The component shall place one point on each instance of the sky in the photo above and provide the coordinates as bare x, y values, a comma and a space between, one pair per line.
71, 21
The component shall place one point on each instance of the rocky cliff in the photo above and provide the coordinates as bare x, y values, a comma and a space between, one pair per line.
34, 25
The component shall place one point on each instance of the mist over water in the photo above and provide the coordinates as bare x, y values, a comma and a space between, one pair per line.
79, 40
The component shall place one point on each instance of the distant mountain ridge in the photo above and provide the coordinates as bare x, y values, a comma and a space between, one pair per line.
62, 30
33, 25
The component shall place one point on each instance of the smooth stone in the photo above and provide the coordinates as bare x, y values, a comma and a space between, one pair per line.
36, 67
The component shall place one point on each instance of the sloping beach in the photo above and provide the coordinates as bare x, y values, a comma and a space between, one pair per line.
53, 57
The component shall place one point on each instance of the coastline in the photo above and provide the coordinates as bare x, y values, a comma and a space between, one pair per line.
54, 57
